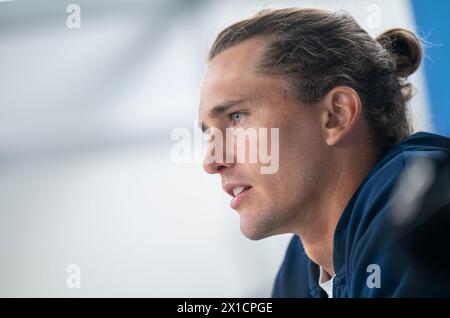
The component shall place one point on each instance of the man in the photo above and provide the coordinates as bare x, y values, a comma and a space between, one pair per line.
338, 98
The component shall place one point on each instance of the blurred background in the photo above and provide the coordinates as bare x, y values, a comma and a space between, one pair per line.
86, 173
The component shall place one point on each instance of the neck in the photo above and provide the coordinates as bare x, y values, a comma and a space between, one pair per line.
317, 233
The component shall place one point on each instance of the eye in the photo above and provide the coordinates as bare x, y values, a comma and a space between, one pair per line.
237, 117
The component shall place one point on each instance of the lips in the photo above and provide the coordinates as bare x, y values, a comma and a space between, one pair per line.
238, 192
234, 189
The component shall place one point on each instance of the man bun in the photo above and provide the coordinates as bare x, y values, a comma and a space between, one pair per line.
405, 49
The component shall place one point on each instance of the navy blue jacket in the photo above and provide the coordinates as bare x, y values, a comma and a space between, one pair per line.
365, 236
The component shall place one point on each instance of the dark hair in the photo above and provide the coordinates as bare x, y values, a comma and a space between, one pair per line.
318, 50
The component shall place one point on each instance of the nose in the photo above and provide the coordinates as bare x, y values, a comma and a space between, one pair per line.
213, 167
213, 163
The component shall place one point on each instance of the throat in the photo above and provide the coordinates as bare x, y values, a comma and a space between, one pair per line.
318, 246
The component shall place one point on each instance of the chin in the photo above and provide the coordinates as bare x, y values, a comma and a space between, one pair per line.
253, 236
254, 231
257, 223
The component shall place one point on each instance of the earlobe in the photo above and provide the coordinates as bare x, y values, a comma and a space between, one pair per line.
342, 111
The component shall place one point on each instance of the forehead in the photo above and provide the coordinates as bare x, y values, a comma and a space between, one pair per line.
231, 75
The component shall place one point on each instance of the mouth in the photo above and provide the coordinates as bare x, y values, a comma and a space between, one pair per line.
238, 191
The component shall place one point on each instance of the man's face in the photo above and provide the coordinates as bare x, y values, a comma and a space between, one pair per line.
272, 203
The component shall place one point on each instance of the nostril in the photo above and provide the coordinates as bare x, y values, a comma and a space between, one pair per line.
214, 167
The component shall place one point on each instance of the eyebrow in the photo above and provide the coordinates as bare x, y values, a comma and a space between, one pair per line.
220, 109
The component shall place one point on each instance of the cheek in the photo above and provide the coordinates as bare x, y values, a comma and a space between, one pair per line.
299, 145
296, 147
298, 158
272, 191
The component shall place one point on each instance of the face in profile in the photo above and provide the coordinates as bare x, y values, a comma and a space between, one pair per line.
235, 95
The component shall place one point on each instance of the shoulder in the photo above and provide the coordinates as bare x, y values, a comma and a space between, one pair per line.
373, 240
377, 193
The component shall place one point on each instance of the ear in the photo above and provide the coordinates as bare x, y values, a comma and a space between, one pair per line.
341, 112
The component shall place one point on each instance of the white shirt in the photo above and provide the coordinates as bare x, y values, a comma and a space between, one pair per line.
328, 285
